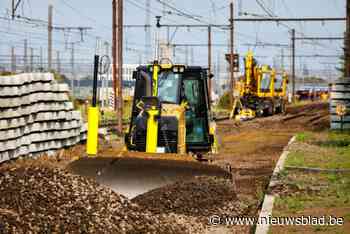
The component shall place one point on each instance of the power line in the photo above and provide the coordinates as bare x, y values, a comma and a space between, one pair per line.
266, 10
295, 19
154, 13
85, 16
319, 38
181, 12
15, 5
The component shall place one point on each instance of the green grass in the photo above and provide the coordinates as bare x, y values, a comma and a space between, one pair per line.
321, 228
339, 159
336, 139
303, 136
306, 193
323, 190
328, 150
292, 204
295, 159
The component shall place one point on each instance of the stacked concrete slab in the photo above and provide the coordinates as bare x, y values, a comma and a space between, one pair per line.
36, 116
340, 96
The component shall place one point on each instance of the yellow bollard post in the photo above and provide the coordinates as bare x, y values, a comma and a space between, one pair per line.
92, 139
93, 114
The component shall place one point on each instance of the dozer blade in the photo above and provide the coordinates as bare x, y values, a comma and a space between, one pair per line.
134, 176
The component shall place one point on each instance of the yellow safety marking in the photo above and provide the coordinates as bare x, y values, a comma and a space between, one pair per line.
155, 80
92, 138
152, 132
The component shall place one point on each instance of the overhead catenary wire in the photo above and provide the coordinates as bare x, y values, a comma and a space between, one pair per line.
91, 36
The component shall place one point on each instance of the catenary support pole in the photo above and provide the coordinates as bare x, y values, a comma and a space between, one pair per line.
293, 65
49, 38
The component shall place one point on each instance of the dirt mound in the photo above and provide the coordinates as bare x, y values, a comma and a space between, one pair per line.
39, 199
200, 197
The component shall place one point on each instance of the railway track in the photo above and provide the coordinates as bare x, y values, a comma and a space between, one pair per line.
111, 123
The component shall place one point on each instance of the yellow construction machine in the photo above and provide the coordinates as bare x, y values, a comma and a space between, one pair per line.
260, 92
171, 121
171, 111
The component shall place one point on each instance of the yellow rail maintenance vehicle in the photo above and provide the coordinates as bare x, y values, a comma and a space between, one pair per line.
260, 92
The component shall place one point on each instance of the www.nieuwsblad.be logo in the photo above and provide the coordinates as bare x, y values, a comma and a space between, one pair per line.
277, 221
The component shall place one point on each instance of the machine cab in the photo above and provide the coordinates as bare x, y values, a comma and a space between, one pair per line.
179, 89
281, 82
266, 82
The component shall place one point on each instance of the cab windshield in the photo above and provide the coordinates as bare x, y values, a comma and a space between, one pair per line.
278, 83
265, 82
168, 87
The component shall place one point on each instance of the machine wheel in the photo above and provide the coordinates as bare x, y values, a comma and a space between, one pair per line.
270, 110
278, 109
260, 112
283, 107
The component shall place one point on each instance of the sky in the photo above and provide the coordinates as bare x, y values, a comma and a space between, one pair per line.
98, 15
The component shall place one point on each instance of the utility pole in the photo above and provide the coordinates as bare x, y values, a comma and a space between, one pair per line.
58, 62
105, 81
192, 56
209, 62
41, 58
49, 42
186, 55
148, 31
13, 60
120, 66
114, 52
232, 76
98, 49
72, 68
282, 59
347, 40
106, 44
168, 36
218, 70
117, 8
293, 65
174, 53
25, 56
274, 62
31, 59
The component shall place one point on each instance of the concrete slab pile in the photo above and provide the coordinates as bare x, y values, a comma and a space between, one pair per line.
36, 116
